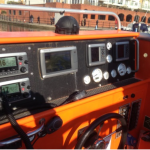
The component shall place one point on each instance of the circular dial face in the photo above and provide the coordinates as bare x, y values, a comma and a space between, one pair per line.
106, 75
128, 70
109, 58
122, 69
109, 45
87, 79
97, 75
113, 73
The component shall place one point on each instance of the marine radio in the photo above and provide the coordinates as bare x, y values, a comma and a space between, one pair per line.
15, 90
12, 64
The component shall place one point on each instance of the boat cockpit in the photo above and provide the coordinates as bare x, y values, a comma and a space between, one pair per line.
86, 90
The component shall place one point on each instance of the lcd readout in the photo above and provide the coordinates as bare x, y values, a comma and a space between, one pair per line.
58, 61
10, 89
95, 54
120, 51
8, 62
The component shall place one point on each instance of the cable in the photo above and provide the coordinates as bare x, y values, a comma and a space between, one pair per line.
35, 140
15, 125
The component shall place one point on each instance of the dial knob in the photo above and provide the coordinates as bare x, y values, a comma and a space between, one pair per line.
23, 84
28, 87
23, 69
26, 61
20, 58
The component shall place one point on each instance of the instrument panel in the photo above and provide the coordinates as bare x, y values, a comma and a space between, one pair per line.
55, 70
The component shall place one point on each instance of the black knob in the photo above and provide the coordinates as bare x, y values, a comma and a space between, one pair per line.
28, 87
23, 84
23, 69
133, 95
25, 95
26, 61
20, 58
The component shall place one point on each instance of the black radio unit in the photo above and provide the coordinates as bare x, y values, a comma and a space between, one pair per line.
15, 90
12, 64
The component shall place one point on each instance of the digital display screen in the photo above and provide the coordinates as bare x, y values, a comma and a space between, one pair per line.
57, 61
95, 54
10, 89
120, 51
8, 62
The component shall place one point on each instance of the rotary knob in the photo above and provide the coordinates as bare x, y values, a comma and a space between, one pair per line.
23, 69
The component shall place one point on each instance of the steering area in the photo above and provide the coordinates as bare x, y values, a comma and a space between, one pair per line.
97, 141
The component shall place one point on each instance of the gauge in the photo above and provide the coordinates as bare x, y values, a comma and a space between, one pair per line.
106, 75
109, 45
109, 58
128, 70
97, 75
113, 73
122, 69
87, 79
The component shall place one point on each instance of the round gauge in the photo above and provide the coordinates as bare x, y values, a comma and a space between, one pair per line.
87, 79
128, 70
113, 73
122, 69
109, 45
109, 58
106, 75
97, 75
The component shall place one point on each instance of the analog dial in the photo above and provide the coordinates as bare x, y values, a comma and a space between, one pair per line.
113, 73
106, 75
87, 79
109, 58
128, 70
109, 45
122, 69
97, 75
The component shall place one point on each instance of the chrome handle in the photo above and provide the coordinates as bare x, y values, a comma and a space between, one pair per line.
3, 143
137, 56
59, 10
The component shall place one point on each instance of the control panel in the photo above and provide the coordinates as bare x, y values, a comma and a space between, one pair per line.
110, 61
15, 90
59, 69
12, 64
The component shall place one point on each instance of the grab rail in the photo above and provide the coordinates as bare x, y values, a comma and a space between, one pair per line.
29, 134
61, 10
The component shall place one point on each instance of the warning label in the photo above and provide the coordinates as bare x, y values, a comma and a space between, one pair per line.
147, 122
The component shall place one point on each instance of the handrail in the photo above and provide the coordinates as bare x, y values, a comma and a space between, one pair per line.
29, 134
60, 10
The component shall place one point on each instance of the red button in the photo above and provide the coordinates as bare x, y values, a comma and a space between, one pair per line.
23, 89
20, 63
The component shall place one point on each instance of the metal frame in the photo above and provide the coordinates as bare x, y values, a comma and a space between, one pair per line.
121, 43
74, 61
61, 10
99, 62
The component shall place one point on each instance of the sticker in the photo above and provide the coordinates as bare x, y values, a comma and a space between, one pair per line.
147, 122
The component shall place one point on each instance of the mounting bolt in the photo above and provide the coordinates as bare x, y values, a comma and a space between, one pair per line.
3, 49
32, 73
29, 48
49, 98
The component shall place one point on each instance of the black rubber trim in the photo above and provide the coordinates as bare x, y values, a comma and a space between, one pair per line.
99, 121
